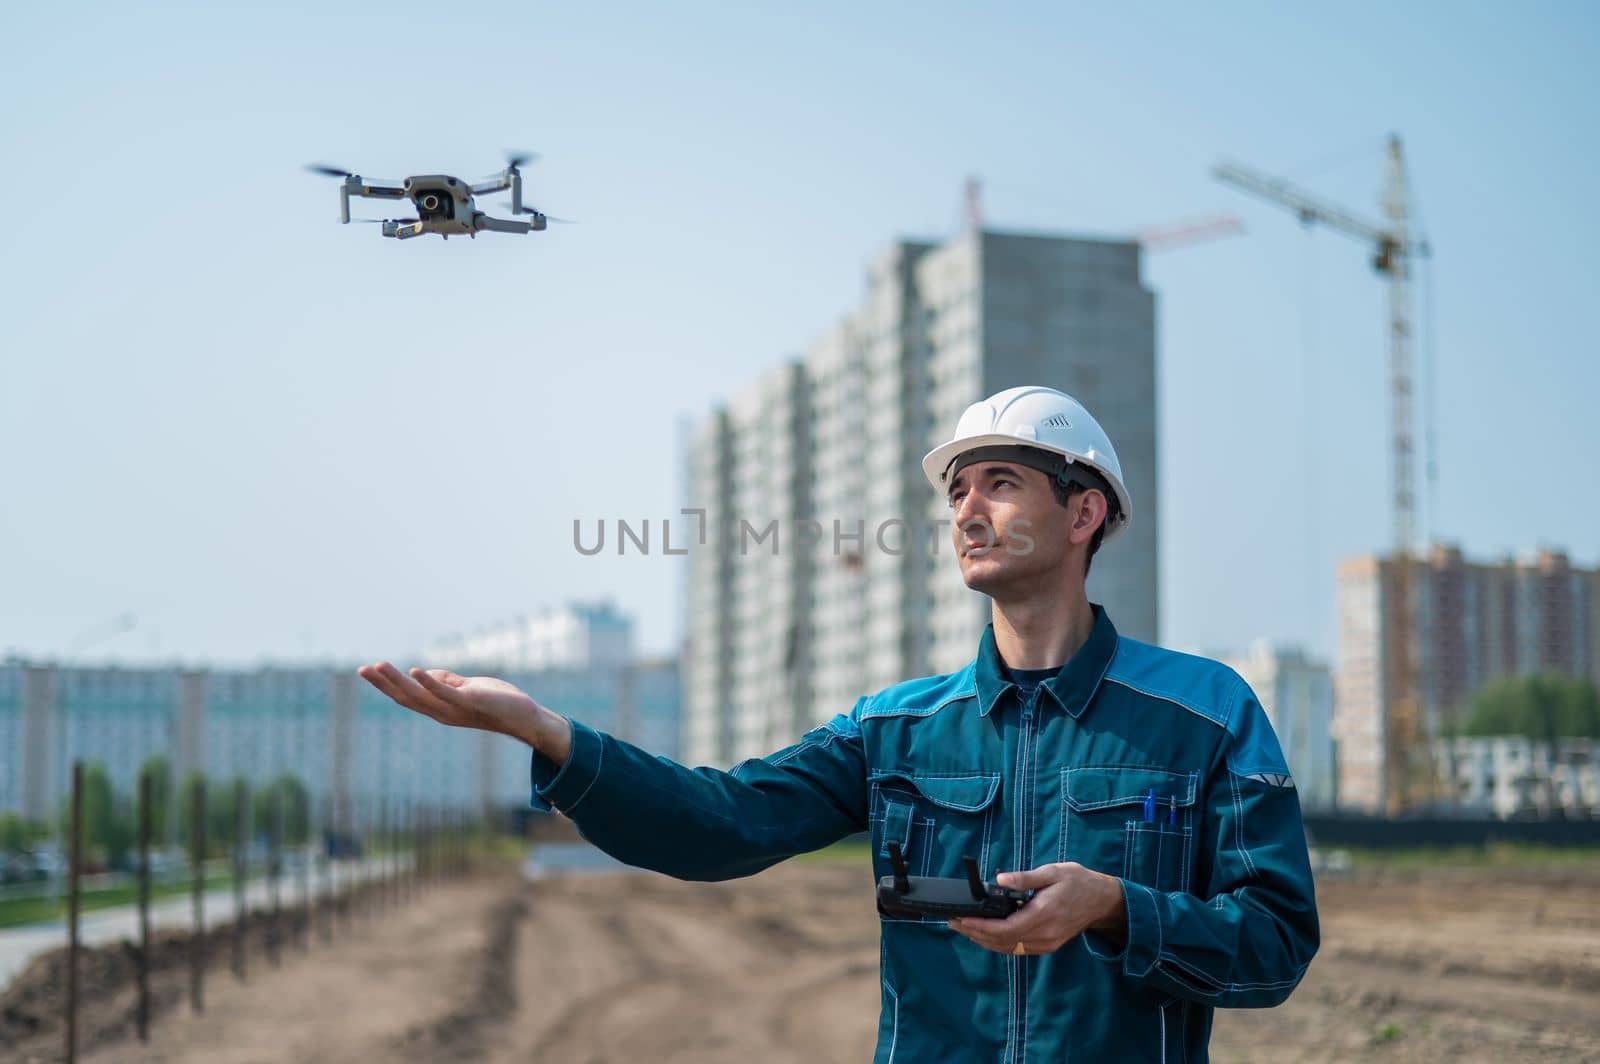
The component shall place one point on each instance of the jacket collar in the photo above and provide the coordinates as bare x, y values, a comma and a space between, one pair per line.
1072, 687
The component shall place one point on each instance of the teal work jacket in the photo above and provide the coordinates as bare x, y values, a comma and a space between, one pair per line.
1155, 767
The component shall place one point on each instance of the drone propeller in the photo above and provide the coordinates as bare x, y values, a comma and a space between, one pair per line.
515, 160
547, 217
328, 171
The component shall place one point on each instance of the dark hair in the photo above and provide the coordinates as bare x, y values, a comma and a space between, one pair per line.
1075, 483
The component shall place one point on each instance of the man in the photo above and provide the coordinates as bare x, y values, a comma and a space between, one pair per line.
1139, 792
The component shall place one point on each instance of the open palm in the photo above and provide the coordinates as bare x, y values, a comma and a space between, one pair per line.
481, 702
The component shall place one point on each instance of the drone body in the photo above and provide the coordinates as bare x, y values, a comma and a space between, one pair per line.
444, 203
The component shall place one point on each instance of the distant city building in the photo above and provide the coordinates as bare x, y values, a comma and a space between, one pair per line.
824, 571
1297, 694
361, 756
1510, 776
573, 635
1476, 622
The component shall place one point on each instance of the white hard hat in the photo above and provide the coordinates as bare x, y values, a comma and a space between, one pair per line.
1042, 419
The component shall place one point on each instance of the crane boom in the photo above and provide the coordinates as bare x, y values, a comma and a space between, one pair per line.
1305, 206
1406, 762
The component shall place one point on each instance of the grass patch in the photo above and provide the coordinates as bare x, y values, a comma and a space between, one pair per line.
15, 912
507, 849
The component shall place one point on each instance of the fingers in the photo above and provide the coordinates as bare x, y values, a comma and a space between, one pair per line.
999, 943
1023, 924
1033, 878
406, 691
982, 938
443, 691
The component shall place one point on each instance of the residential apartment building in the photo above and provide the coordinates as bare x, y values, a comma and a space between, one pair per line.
570, 635
360, 755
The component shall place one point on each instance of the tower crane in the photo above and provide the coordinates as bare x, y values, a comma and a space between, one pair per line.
1394, 248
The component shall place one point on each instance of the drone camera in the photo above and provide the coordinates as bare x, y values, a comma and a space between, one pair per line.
433, 205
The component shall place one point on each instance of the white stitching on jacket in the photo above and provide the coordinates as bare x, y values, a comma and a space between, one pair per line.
599, 762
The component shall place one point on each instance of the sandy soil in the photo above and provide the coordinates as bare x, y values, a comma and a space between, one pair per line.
783, 967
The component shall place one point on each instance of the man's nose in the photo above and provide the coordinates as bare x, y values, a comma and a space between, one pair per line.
972, 507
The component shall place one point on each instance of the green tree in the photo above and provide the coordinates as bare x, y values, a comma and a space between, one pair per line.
222, 811
107, 827
1578, 712
17, 834
1543, 708
1493, 708
296, 809
288, 791
160, 772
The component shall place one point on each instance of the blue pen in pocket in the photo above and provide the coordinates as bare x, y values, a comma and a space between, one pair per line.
1150, 806
1172, 809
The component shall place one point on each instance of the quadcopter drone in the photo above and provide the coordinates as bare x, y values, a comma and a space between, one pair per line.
444, 203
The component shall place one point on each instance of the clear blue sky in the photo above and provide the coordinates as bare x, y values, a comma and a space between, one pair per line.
269, 436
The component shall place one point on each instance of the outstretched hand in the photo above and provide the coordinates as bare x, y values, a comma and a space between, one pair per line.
481, 702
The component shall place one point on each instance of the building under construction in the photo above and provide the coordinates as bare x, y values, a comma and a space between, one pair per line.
1476, 622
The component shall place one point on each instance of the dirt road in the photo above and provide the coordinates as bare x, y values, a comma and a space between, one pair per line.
783, 968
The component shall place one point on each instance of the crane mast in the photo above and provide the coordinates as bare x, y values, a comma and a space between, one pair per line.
1406, 760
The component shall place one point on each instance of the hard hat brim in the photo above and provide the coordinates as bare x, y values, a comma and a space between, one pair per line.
936, 461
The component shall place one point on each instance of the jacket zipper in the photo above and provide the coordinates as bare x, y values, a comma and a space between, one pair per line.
1025, 849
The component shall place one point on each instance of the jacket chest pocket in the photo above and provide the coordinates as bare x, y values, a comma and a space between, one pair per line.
936, 819
1129, 821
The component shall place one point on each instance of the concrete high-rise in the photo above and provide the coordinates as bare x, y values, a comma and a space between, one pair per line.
824, 571
1475, 622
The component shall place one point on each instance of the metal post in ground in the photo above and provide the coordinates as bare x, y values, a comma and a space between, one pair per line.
414, 873
422, 849
452, 844
380, 870
427, 849
73, 873
411, 850
354, 892
325, 902
396, 849
360, 853
197, 862
354, 852
142, 971
441, 845
274, 876
304, 831
458, 844
241, 870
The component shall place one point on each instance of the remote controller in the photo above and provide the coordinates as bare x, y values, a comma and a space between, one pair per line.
901, 895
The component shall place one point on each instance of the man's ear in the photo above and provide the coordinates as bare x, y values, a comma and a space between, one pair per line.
1088, 514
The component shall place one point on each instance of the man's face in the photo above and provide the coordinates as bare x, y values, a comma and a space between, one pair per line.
1010, 533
